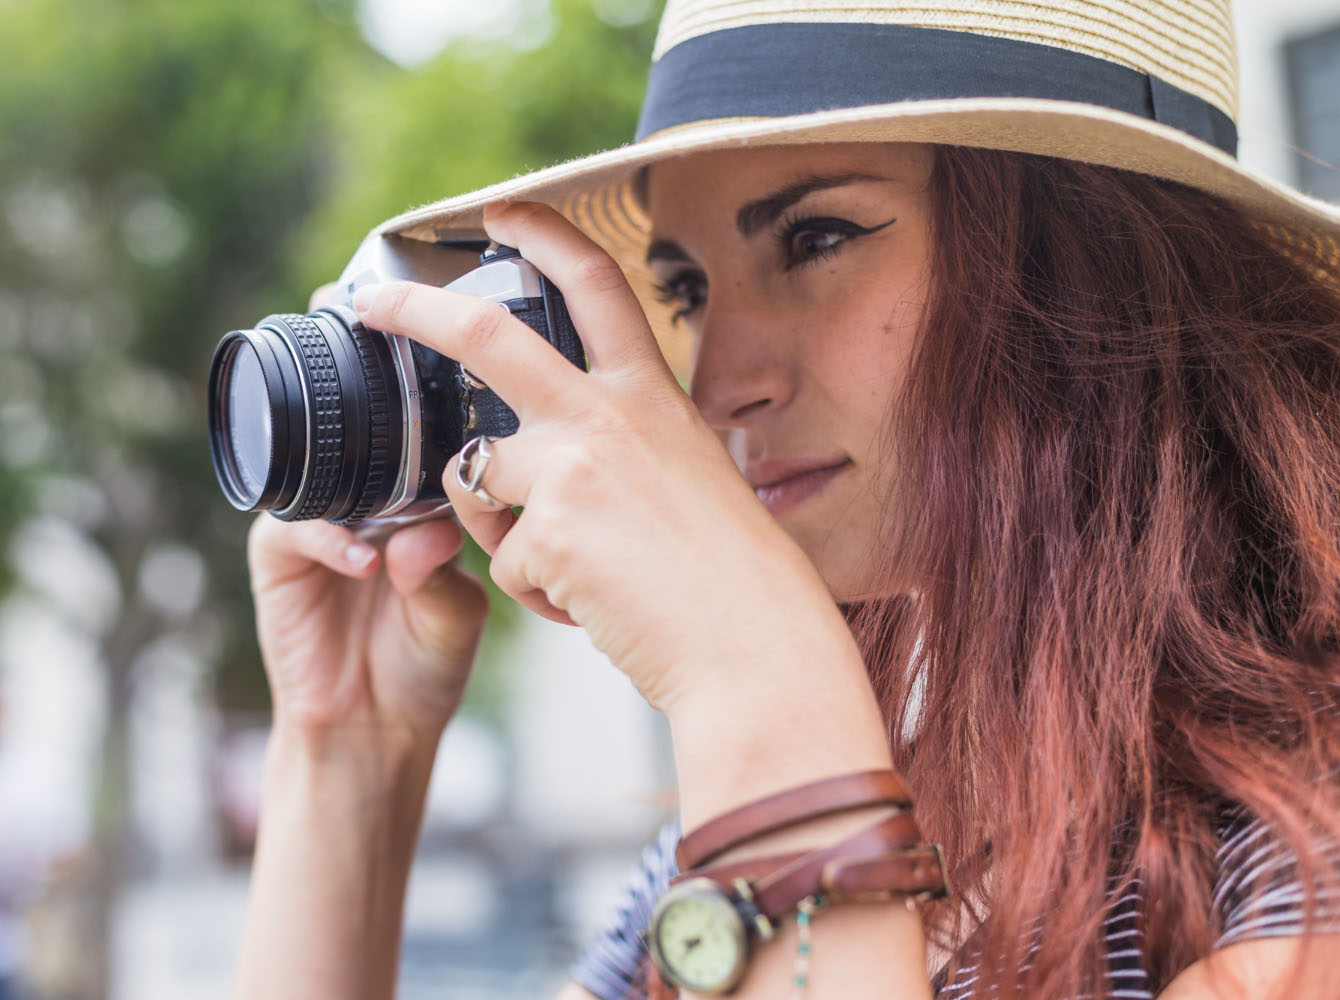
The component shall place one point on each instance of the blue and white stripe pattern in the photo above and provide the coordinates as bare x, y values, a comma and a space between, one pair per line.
1256, 895
1258, 892
608, 967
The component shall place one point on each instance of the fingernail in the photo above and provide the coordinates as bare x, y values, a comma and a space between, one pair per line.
365, 296
359, 556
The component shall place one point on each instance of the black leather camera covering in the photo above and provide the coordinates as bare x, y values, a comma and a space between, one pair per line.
483, 410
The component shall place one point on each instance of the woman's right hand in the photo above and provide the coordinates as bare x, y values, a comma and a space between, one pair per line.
353, 636
357, 638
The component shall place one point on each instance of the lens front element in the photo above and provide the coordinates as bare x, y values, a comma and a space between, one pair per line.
303, 420
250, 442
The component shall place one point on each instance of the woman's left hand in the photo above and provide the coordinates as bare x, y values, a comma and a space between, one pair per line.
637, 525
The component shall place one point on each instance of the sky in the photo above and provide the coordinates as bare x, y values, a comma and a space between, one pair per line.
411, 32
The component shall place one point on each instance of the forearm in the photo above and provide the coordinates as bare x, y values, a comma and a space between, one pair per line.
749, 737
339, 823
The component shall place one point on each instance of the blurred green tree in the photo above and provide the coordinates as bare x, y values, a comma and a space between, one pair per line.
169, 171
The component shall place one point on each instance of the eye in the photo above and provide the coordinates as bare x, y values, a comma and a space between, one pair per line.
806, 240
814, 243
687, 290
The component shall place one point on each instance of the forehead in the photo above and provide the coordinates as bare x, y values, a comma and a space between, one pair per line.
720, 179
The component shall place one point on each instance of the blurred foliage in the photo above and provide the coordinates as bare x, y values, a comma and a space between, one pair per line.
169, 171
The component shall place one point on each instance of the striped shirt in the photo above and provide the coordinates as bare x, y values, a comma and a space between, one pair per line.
1256, 895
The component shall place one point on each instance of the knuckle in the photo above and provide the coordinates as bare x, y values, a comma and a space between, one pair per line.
395, 301
551, 543
543, 522
576, 469
597, 272
480, 324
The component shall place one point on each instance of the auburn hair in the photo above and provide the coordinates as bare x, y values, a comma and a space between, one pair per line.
1118, 461
1117, 541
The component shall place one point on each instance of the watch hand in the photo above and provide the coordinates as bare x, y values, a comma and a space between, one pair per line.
692, 943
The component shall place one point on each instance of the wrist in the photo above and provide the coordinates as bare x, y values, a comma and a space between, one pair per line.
751, 732
339, 823
362, 745
361, 775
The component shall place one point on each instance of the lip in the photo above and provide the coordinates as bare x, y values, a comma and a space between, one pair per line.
784, 484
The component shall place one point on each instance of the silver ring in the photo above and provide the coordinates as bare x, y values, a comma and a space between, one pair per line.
474, 459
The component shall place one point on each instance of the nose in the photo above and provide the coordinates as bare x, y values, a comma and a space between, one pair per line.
741, 368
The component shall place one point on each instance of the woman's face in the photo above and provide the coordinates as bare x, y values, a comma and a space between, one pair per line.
801, 273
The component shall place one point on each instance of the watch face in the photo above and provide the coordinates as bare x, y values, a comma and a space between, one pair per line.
698, 938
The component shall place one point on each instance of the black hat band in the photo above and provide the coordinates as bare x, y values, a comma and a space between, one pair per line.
773, 70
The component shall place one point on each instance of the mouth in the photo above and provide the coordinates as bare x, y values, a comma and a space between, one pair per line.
784, 486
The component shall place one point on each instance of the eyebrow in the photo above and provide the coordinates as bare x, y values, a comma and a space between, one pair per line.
667, 250
758, 214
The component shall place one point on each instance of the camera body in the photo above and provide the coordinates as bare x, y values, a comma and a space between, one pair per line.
318, 416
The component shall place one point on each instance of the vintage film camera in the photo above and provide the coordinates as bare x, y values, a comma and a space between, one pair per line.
318, 416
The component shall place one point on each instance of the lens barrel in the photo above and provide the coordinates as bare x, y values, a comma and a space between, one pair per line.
305, 417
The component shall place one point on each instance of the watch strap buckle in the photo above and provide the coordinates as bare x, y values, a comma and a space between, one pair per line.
763, 925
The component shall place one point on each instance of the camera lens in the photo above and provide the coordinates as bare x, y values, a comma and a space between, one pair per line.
250, 441
305, 418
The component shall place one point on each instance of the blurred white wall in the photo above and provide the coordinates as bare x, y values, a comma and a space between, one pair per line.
1265, 120
592, 759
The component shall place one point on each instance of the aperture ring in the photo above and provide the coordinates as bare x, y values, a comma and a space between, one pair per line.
327, 444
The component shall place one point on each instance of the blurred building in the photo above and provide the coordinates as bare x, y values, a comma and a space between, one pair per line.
1289, 122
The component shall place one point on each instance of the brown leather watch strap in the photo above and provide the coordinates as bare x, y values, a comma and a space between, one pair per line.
788, 808
752, 869
915, 871
777, 893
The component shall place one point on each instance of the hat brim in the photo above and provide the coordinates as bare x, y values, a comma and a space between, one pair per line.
597, 193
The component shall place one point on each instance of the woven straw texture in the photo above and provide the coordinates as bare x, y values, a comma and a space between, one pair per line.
1188, 43
1185, 42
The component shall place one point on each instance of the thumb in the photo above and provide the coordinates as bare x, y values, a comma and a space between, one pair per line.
441, 599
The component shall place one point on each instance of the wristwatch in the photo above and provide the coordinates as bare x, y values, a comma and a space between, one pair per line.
703, 930
699, 937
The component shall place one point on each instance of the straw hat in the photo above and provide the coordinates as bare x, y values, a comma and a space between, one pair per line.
1145, 85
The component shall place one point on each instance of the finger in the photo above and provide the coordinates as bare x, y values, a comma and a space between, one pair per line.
414, 554
445, 604
279, 551
488, 524
508, 570
534, 600
610, 320
525, 370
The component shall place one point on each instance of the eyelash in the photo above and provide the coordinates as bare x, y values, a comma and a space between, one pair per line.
787, 230
792, 226
665, 294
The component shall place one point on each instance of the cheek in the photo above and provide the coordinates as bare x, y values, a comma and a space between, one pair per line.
866, 348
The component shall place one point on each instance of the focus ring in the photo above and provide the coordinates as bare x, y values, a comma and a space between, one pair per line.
379, 440
327, 416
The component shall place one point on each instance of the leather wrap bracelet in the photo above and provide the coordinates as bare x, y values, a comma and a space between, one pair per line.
790, 808
884, 861
703, 930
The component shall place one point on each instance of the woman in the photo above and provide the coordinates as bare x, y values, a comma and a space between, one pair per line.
1011, 460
